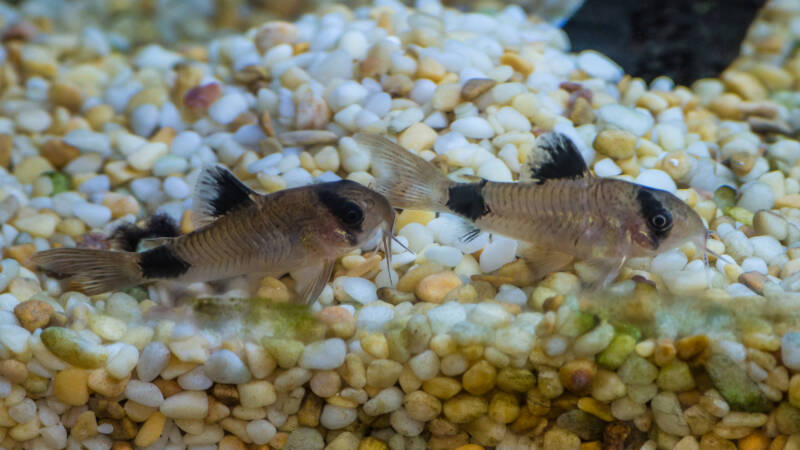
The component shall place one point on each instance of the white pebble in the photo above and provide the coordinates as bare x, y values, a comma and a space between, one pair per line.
756, 196
473, 128
355, 289
186, 405
93, 215
337, 417
500, 251
606, 167
144, 119
657, 179
379, 103
261, 431
636, 121
667, 261
122, 361
195, 380
323, 355
346, 94
422, 91
511, 294
492, 315
176, 188
297, 177
790, 350
224, 366
99, 183
495, 170
227, 108
444, 255
599, 66
89, 141
14, 338
768, 248
384, 402
511, 120
185, 143
753, 264
374, 317
443, 317
34, 120
144, 393
153, 360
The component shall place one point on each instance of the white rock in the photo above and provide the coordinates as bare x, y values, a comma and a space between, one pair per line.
297, 177
355, 43
768, 248
89, 141
99, 183
144, 119
346, 94
418, 236
753, 264
499, 252
443, 317
227, 108
384, 402
374, 317
337, 417
473, 128
657, 179
790, 350
606, 168
93, 215
355, 289
24, 411
145, 156
186, 405
144, 393
34, 120
513, 341
425, 365
495, 170
153, 360
261, 431
511, 120
599, 66
492, 315
185, 143
379, 103
667, 261
169, 164
176, 188
224, 366
448, 141
121, 362
511, 294
756, 196
157, 57
146, 188
636, 121
195, 380
444, 255
323, 355
14, 338
422, 91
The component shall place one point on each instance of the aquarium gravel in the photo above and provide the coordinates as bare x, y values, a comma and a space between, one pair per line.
454, 346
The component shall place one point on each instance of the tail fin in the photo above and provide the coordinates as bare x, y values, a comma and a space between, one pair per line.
407, 180
91, 271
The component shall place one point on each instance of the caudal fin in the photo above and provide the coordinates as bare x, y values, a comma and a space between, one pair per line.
407, 180
91, 271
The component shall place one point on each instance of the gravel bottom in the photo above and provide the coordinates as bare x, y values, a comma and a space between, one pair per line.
465, 350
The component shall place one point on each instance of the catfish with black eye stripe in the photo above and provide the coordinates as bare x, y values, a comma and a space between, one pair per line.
558, 208
240, 231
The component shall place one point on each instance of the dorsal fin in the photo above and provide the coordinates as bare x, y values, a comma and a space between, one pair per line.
556, 157
217, 193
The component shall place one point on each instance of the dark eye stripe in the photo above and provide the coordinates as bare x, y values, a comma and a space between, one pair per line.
652, 208
348, 213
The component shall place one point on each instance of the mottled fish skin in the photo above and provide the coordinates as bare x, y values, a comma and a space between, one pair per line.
242, 232
559, 207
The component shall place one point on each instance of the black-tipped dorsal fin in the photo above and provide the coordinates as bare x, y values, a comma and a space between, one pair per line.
555, 157
217, 193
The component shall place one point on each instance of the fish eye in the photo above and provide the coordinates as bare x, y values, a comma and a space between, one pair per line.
352, 214
661, 221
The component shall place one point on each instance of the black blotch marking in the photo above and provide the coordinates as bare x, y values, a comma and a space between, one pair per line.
162, 262
659, 220
128, 236
563, 160
466, 199
347, 212
228, 192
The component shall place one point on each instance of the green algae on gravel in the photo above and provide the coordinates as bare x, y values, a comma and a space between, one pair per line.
259, 318
72, 348
735, 386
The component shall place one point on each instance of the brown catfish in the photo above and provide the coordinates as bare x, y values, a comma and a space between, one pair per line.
559, 209
240, 232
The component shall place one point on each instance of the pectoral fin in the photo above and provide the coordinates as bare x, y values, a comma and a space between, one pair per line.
311, 280
542, 261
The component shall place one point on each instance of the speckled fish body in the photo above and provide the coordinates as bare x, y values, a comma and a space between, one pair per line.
240, 232
559, 209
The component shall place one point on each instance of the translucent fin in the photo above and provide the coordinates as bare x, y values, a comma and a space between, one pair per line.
555, 157
314, 277
128, 235
608, 269
217, 193
543, 261
407, 180
91, 271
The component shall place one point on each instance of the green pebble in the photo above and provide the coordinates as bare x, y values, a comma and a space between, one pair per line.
735, 386
73, 349
621, 346
741, 215
637, 370
285, 351
61, 182
675, 376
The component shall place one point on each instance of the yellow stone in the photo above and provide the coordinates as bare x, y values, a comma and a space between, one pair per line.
442, 387
517, 62
744, 84
434, 288
788, 201
430, 68
618, 144
85, 426
371, 443
480, 378
71, 386
595, 408
413, 216
417, 137
151, 430
376, 345
30, 168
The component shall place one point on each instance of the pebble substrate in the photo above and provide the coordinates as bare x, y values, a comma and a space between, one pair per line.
465, 351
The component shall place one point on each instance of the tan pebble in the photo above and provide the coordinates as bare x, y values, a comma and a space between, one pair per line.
376, 345
408, 281
464, 408
151, 430
33, 314
577, 375
307, 137
70, 386
309, 413
773, 78
30, 168
121, 204
6, 145
753, 280
433, 288
476, 87
66, 95
581, 112
691, 346
442, 387
58, 152
417, 137
430, 68
340, 321
397, 84
504, 407
652, 102
85, 426
446, 97
383, 373
231, 442
103, 383
788, 201
595, 408
168, 388
744, 84
371, 443
618, 144
517, 62
480, 378
274, 33
727, 106
422, 406
99, 115
13, 370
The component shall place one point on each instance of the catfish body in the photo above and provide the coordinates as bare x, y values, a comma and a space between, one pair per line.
240, 232
559, 209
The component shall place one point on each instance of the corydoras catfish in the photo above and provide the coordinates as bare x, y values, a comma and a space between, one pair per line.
240, 231
558, 208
